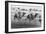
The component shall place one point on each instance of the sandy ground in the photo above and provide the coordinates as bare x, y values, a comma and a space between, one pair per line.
27, 24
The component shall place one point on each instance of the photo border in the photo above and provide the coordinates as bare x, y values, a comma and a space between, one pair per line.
6, 16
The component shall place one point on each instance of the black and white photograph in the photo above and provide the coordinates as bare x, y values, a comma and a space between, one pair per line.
25, 16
